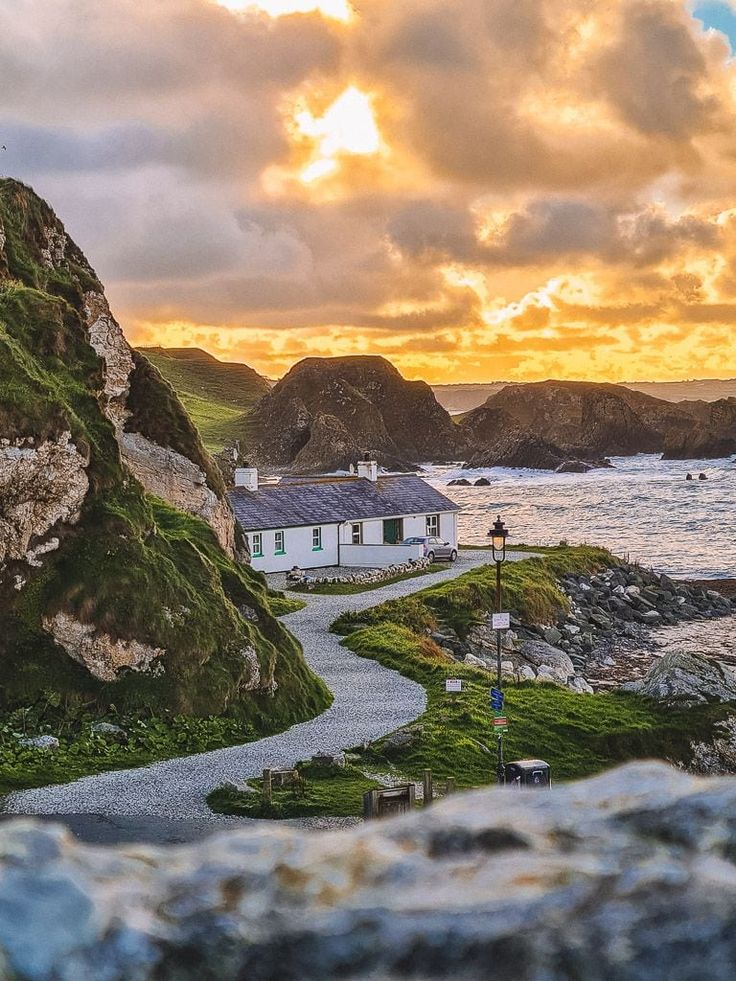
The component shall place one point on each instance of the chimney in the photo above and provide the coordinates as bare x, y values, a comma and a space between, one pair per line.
368, 468
247, 477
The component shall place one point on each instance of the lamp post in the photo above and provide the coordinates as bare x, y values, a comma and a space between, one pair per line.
498, 535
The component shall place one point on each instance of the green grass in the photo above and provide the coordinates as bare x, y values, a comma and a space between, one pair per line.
350, 588
530, 591
217, 395
282, 605
82, 753
577, 735
337, 791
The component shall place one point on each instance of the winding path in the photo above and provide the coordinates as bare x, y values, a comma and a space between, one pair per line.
369, 701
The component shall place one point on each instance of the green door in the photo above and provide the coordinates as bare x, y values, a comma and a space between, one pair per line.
393, 531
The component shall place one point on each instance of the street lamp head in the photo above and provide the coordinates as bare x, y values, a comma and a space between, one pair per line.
498, 535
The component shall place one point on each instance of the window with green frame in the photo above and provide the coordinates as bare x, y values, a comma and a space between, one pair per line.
256, 545
316, 539
279, 543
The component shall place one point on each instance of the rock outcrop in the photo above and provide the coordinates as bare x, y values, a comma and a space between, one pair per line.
326, 412
686, 679
41, 486
117, 574
554, 422
629, 875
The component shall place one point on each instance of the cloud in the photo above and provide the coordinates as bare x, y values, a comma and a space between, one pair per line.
550, 192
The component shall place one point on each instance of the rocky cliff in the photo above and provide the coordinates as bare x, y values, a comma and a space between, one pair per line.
326, 412
108, 588
627, 876
588, 421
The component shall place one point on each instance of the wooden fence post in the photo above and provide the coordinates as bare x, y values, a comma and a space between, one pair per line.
428, 788
451, 786
267, 792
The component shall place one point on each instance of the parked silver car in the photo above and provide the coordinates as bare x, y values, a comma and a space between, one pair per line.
434, 548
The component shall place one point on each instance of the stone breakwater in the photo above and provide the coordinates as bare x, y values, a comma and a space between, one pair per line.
626, 876
606, 638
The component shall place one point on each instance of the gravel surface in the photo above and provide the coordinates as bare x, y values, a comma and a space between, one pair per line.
369, 701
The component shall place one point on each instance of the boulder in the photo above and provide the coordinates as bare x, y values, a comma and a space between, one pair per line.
686, 679
482, 482
574, 466
109, 731
625, 876
540, 654
459, 482
45, 743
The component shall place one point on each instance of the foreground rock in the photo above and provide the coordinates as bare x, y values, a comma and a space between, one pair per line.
686, 679
627, 876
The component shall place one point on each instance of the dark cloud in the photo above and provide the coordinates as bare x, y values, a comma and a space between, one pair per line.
655, 73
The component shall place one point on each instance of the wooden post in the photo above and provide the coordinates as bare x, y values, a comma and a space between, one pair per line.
428, 789
267, 792
451, 786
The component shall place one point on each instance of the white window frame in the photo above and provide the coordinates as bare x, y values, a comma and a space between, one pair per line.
317, 539
282, 535
256, 542
356, 533
433, 526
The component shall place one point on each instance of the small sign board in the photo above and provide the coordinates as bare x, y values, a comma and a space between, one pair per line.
500, 722
453, 684
501, 621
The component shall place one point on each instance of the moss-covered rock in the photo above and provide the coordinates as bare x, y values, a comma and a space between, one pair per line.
108, 593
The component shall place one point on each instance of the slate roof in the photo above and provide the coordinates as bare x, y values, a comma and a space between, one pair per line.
322, 502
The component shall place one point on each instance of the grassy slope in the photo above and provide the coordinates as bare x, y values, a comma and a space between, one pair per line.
530, 591
217, 395
133, 566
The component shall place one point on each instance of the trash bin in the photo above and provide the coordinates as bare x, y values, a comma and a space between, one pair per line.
528, 773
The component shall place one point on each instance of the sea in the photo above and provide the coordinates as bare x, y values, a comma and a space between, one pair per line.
643, 508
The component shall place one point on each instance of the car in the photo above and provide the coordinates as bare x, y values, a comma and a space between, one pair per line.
433, 548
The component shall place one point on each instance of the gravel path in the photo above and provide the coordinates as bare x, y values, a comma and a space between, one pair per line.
369, 701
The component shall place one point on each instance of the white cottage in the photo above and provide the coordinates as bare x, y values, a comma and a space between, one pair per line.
358, 520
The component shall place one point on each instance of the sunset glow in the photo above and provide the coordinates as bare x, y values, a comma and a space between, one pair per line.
347, 127
392, 178
339, 9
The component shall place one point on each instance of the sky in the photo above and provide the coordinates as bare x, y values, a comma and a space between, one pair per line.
475, 189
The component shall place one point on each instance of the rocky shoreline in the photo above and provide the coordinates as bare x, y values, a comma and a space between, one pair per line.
619, 624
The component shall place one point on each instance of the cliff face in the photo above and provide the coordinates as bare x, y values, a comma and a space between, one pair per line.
326, 412
588, 421
106, 592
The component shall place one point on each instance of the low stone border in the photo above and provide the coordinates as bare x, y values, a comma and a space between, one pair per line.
297, 577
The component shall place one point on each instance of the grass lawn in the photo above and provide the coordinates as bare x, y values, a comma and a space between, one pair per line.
333, 790
577, 735
349, 588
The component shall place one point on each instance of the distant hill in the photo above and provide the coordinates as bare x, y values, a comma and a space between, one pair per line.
589, 421
466, 396
326, 412
218, 395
